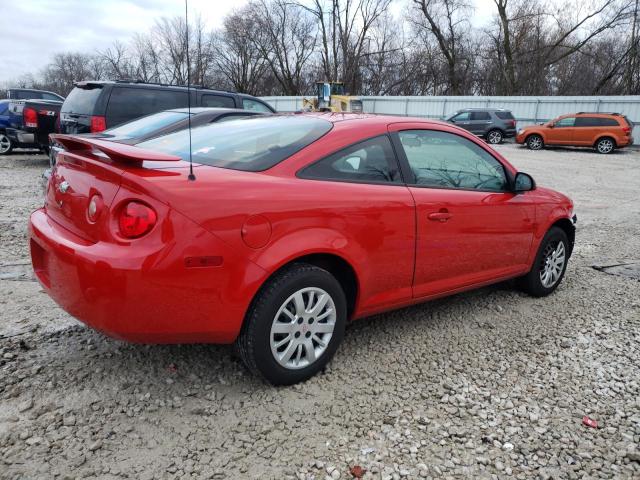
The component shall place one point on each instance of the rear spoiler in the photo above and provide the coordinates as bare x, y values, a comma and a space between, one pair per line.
115, 151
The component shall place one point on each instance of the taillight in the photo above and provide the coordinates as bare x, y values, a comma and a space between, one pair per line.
98, 124
94, 208
136, 219
626, 130
30, 117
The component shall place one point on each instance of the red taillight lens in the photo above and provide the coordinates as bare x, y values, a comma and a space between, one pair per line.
30, 117
98, 124
136, 219
626, 130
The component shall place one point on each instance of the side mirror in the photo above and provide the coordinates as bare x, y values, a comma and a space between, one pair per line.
523, 183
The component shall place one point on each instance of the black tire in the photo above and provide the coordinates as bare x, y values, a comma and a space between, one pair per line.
534, 142
494, 137
254, 342
605, 145
6, 145
532, 282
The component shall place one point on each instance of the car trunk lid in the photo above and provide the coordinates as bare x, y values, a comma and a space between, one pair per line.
92, 169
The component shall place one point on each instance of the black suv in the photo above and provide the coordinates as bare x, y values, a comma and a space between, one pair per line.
95, 106
492, 124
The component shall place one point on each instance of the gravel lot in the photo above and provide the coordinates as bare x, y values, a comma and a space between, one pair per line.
488, 384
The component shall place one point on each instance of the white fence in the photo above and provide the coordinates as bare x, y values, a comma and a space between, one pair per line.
527, 110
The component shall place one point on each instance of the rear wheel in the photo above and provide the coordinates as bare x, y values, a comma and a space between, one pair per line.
549, 266
605, 145
494, 137
5, 144
294, 325
535, 142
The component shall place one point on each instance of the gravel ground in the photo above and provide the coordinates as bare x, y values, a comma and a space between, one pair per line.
487, 384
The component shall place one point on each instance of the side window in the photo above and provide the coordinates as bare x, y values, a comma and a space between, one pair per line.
587, 122
371, 161
462, 117
129, 103
48, 96
3, 108
255, 106
223, 101
444, 160
608, 122
480, 116
565, 122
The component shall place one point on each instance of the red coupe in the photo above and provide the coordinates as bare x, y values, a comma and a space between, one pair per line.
293, 225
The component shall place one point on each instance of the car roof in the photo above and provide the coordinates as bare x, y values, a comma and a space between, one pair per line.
134, 83
478, 109
368, 118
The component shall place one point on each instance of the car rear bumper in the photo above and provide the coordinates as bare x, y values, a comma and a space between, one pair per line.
20, 137
140, 294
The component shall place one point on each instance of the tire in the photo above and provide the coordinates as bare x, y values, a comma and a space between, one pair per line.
554, 244
280, 340
6, 145
494, 137
605, 145
534, 142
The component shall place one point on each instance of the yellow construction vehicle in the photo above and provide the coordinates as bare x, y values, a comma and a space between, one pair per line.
332, 98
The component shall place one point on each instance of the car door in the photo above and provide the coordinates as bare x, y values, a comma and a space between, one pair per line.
479, 122
462, 119
562, 132
470, 228
366, 200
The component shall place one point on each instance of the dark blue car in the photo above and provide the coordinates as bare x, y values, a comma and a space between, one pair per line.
5, 122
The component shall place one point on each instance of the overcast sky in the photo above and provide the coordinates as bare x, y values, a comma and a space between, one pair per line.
32, 31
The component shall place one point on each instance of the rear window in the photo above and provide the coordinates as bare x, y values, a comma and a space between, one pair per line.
81, 100
505, 116
148, 124
252, 144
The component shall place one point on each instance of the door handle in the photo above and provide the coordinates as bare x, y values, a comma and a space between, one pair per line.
439, 216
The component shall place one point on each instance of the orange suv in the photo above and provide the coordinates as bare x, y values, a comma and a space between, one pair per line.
603, 131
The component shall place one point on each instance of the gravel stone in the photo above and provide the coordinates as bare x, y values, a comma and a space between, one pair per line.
487, 384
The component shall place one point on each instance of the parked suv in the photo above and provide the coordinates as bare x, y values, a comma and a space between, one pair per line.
92, 107
603, 131
492, 124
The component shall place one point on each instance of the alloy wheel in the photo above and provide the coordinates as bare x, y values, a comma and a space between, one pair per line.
605, 145
5, 144
534, 142
552, 264
302, 328
494, 137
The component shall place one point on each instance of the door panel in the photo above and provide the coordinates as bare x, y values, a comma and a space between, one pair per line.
470, 228
483, 235
562, 133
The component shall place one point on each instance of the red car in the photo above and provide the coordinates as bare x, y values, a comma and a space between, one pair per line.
293, 225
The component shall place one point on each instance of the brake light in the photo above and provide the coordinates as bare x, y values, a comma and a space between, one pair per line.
98, 124
626, 130
136, 219
30, 117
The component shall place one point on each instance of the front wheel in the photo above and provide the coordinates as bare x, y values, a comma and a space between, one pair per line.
534, 142
5, 144
495, 137
605, 145
549, 265
294, 325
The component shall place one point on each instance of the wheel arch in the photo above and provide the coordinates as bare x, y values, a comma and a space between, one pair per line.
605, 135
335, 264
569, 229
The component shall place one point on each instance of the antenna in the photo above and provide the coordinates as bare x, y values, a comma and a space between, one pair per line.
191, 176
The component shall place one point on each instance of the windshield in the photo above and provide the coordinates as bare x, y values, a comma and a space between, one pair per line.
150, 123
81, 100
251, 144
